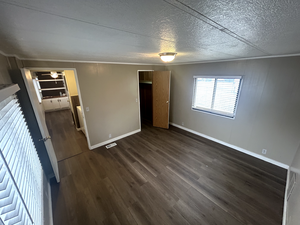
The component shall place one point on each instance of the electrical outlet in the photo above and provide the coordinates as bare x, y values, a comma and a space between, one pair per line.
182, 123
109, 136
87, 109
264, 151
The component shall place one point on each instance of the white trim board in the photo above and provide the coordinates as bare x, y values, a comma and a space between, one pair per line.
152, 64
284, 217
234, 147
235, 59
160, 64
114, 139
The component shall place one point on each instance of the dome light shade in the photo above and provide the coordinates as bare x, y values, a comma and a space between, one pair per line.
54, 75
167, 56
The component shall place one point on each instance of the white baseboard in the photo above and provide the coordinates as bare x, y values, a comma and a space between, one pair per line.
234, 147
284, 217
114, 139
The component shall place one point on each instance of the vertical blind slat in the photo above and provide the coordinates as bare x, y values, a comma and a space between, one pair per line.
20, 168
4, 144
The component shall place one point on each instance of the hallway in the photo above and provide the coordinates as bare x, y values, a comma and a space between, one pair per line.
66, 140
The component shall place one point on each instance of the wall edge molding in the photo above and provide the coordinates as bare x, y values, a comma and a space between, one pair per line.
284, 216
153, 64
235, 59
88, 61
114, 139
282, 165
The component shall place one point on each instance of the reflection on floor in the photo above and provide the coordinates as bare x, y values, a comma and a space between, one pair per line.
66, 140
166, 177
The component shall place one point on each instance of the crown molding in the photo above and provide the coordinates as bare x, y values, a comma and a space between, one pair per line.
236, 59
9, 55
153, 64
86, 61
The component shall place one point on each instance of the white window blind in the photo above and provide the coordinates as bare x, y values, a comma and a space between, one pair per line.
20, 168
217, 95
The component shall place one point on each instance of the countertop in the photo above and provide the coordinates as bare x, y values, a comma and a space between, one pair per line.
50, 97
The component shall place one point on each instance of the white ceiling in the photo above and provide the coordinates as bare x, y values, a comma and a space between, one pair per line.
135, 31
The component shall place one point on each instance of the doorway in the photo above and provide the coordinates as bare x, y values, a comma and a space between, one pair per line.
154, 92
145, 87
57, 91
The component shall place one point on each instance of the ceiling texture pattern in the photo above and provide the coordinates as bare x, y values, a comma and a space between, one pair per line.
135, 31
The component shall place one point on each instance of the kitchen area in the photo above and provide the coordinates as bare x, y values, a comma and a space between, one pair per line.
52, 90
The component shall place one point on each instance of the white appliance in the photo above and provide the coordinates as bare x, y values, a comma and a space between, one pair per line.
80, 117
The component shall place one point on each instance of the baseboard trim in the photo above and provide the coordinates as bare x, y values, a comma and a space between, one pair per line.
233, 147
114, 139
284, 217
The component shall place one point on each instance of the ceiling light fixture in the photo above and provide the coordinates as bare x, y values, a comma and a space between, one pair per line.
54, 75
167, 56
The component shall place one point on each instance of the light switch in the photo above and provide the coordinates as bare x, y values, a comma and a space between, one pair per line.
87, 109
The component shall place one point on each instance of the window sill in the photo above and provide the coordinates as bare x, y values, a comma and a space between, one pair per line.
213, 113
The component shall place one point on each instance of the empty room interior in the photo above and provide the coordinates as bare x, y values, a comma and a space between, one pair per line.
150, 112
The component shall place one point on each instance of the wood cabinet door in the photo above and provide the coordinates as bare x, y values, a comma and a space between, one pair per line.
47, 104
161, 98
64, 102
55, 103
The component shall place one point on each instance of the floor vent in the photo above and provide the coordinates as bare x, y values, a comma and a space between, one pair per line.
110, 145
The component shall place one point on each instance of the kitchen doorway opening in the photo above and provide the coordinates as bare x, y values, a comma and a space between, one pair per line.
59, 98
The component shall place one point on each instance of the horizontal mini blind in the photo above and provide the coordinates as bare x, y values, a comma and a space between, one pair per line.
217, 95
226, 95
20, 168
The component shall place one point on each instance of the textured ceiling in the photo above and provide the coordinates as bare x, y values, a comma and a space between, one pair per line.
135, 31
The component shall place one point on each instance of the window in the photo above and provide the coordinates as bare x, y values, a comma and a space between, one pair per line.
217, 95
20, 168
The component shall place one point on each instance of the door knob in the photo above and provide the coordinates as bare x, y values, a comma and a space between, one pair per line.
167, 101
45, 139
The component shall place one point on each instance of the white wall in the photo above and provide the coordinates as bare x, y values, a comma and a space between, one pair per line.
268, 112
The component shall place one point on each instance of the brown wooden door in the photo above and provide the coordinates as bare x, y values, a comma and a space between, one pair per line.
161, 98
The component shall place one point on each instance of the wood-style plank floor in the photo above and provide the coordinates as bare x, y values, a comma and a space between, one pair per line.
67, 141
167, 177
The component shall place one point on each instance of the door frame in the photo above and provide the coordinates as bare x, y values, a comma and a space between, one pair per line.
78, 90
138, 94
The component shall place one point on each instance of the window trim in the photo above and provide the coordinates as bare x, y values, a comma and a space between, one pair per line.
212, 111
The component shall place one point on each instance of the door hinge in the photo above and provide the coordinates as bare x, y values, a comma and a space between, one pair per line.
45, 139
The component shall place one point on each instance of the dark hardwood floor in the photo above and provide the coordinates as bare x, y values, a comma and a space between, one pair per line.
67, 141
166, 177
